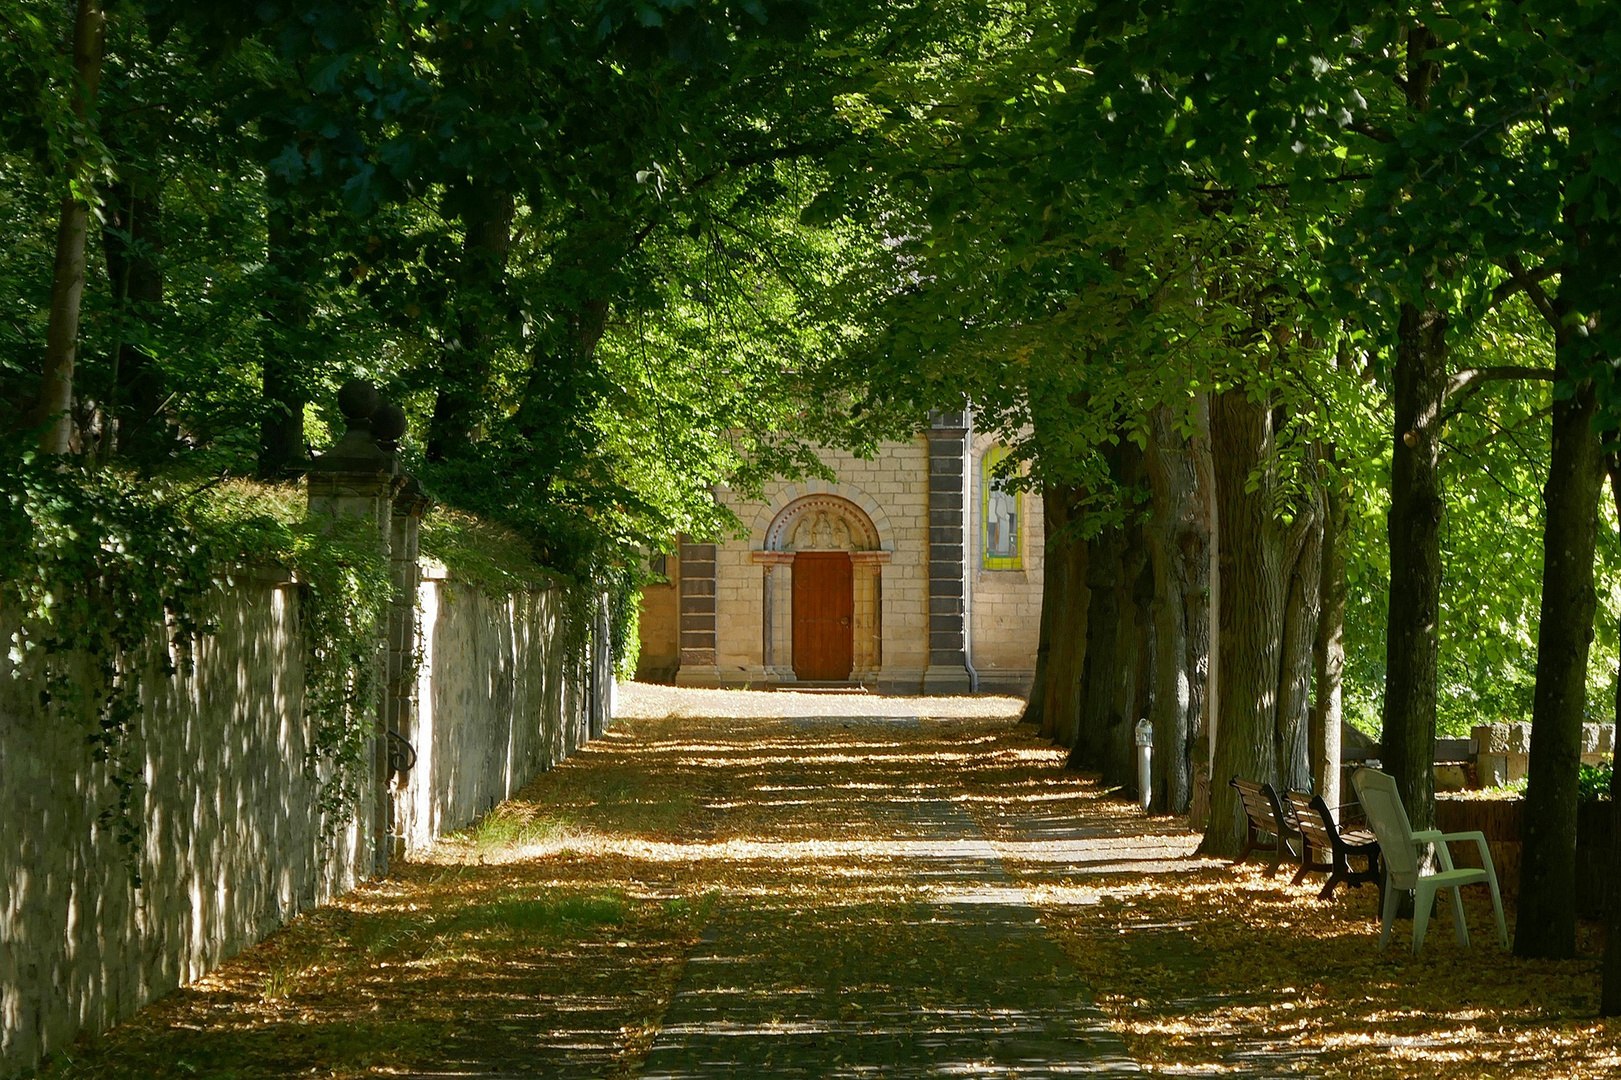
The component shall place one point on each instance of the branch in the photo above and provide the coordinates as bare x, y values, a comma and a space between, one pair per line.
1514, 284
1502, 432
1377, 134
1463, 386
1539, 298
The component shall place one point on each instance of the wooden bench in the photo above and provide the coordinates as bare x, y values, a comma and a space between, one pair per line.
1265, 815
1327, 847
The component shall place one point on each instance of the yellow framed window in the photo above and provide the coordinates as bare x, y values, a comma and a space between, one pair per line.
1001, 515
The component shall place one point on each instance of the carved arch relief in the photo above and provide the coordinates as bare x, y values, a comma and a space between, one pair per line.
821, 523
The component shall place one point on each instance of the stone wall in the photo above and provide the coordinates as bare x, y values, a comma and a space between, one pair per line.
659, 657
1005, 604
1503, 751
892, 490
499, 700
233, 848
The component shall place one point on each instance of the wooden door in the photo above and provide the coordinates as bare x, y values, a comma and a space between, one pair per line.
824, 609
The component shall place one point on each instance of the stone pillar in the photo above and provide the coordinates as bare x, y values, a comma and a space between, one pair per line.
776, 615
948, 662
603, 680
400, 717
358, 478
699, 665
866, 568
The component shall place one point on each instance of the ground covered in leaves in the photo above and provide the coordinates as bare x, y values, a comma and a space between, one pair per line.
547, 939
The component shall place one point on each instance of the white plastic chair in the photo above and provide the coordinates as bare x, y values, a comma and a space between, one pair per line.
1398, 845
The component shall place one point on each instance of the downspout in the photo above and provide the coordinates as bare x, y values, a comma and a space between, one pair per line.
970, 548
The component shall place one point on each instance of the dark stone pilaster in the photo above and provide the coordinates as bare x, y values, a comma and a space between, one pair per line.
698, 611
948, 670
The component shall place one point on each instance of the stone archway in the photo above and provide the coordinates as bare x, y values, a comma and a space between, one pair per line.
821, 523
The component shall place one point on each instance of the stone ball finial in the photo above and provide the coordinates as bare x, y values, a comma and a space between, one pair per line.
388, 423
357, 400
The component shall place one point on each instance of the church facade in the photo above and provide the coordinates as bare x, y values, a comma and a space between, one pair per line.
915, 572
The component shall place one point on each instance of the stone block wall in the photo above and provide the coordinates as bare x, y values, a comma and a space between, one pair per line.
499, 700
1005, 605
659, 630
915, 495
893, 490
1503, 751
232, 846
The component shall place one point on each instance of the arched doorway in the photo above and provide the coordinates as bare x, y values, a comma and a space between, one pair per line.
821, 618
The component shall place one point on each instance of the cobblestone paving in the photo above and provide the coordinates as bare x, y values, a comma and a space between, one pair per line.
963, 982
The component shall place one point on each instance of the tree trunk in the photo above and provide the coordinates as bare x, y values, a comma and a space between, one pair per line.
1133, 662
1034, 706
1241, 441
559, 380
1610, 999
1414, 521
132, 238
54, 410
1328, 650
481, 310
1100, 674
1134, 658
1068, 562
285, 387
1266, 630
1300, 618
1546, 926
1179, 537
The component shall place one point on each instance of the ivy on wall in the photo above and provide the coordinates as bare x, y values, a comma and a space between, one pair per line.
109, 578
104, 575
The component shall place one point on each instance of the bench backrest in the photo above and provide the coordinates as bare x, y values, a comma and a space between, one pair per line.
1261, 805
1311, 814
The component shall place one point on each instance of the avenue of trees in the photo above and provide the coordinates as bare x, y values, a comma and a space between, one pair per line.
1316, 293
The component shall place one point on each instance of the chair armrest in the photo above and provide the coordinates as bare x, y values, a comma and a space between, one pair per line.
1436, 836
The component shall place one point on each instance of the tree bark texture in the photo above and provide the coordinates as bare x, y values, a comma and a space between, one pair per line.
132, 238
1034, 706
1179, 546
1414, 521
1265, 627
482, 308
1301, 610
285, 390
1067, 560
1100, 671
1546, 926
1328, 651
1056, 596
1134, 655
54, 409
1610, 996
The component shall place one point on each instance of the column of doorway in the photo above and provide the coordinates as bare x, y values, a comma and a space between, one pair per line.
776, 616
867, 631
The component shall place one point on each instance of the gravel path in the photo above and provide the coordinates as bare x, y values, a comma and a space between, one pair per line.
639, 701
953, 976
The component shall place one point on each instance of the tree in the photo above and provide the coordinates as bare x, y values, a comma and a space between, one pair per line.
68, 280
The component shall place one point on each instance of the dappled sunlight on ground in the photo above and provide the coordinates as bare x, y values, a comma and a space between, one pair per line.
550, 938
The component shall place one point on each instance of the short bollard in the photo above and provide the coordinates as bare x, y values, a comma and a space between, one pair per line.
1145, 762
